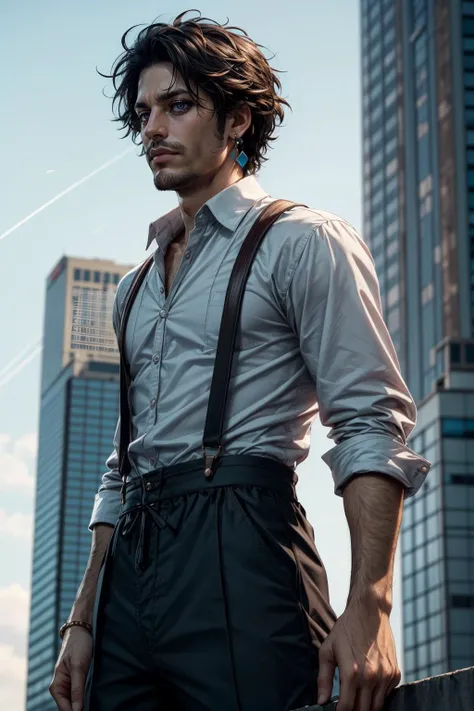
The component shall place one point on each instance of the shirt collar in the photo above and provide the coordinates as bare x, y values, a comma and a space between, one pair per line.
228, 207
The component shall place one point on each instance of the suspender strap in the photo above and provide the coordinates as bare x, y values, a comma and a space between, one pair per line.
214, 424
125, 378
212, 440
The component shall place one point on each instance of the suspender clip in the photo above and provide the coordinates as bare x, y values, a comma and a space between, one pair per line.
210, 461
122, 490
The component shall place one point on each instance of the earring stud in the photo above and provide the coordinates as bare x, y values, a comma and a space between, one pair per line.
241, 157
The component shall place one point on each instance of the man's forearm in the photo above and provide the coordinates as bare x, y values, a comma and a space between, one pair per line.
373, 504
84, 603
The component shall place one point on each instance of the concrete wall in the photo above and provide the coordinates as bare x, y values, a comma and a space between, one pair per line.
449, 692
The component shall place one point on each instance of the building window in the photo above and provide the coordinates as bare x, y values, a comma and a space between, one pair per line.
468, 27
393, 295
390, 98
97, 277
461, 479
393, 320
392, 271
374, 12
116, 279
392, 167
77, 275
106, 278
455, 353
469, 353
423, 129
427, 294
461, 601
87, 275
457, 427
392, 248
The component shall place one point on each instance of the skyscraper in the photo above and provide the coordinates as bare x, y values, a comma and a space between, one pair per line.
78, 415
418, 143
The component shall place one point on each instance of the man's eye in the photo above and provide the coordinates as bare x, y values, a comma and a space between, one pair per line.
180, 107
143, 118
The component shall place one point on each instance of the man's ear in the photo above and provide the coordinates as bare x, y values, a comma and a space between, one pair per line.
240, 120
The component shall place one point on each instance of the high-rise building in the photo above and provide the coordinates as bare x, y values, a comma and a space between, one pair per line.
78, 415
418, 143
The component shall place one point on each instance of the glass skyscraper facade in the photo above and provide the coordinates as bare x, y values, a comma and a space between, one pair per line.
78, 415
418, 144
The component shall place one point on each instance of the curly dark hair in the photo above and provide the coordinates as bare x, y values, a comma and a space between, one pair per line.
221, 60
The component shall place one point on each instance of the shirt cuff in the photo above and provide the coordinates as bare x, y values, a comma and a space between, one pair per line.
106, 508
376, 453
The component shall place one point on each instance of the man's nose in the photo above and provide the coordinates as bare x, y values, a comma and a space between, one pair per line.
156, 127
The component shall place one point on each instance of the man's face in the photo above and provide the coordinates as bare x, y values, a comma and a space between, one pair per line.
182, 145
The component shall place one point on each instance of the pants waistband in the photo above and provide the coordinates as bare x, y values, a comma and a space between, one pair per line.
188, 477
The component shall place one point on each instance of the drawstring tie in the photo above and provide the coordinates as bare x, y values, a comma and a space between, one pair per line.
130, 519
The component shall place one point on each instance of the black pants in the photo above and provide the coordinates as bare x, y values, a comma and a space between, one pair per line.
213, 597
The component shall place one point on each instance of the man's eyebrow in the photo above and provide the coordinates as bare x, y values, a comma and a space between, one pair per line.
162, 97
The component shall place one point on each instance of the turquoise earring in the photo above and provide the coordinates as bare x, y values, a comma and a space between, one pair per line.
238, 155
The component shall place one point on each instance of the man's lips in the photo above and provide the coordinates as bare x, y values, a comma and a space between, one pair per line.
160, 155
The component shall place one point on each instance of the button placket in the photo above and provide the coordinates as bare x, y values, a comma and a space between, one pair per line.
155, 372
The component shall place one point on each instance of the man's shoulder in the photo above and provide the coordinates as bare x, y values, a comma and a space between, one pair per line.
309, 218
297, 227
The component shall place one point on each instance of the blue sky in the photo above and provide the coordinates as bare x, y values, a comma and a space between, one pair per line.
56, 129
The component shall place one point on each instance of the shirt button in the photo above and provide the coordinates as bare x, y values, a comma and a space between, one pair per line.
162, 289
423, 469
187, 255
162, 313
148, 486
152, 403
156, 358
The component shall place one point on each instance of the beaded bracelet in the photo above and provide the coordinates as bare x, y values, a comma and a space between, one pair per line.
74, 623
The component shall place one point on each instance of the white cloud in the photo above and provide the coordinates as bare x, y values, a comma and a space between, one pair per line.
14, 608
14, 473
17, 525
14, 611
28, 444
17, 462
12, 679
11, 665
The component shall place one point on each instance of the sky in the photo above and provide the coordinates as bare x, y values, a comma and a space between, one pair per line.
68, 186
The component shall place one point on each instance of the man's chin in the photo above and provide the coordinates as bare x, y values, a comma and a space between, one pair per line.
172, 180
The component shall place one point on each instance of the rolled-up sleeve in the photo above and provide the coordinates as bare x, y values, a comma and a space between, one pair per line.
107, 500
106, 507
333, 302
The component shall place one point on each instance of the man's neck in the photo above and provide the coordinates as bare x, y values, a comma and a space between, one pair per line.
190, 203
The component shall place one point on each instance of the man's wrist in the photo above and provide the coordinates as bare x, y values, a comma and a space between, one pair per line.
74, 624
81, 616
377, 597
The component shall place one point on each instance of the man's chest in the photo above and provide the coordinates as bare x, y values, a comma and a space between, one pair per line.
178, 311
172, 261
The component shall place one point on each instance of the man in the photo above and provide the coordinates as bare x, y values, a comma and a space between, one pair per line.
213, 595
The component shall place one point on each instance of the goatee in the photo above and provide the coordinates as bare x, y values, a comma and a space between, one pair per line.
165, 180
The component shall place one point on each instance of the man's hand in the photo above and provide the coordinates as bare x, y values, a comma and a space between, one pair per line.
361, 645
68, 684
361, 642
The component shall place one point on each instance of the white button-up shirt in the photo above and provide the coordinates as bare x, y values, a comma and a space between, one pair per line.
311, 340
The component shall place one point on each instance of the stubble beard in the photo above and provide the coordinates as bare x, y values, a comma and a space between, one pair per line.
168, 180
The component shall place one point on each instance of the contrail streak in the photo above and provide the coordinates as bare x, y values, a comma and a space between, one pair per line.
16, 358
20, 366
64, 192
